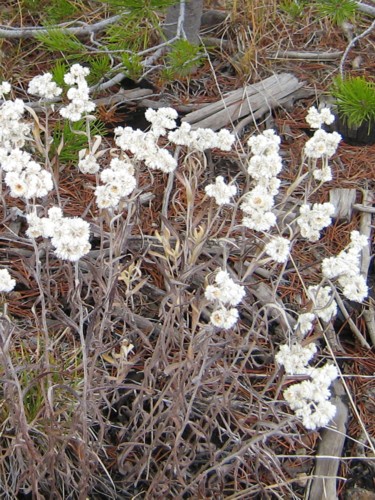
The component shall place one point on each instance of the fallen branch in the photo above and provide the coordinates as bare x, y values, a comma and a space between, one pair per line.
311, 56
366, 9
85, 29
253, 101
330, 450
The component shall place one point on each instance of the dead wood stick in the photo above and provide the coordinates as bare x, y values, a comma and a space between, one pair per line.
311, 56
254, 100
330, 450
84, 29
365, 228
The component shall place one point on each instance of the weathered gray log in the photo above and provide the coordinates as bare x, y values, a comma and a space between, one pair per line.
330, 450
253, 101
343, 201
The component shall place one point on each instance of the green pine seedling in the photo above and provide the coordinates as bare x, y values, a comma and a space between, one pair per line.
100, 66
56, 40
58, 71
338, 11
293, 8
355, 98
133, 65
183, 58
60, 10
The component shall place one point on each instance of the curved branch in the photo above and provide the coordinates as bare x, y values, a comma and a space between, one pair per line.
86, 29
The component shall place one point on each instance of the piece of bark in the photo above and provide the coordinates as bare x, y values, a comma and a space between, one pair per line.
253, 101
343, 201
330, 450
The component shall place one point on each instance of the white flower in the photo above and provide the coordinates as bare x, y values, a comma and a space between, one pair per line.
344, 263
227, 292
55, 214
72, 251
77, 74
6, 282
224, 318
270, 184
313, 219
266, 143
316, 119
213, 293
78, 95
358, 241
69, 235
324, 174
105, 198
160, 160
258, 199
295, 358
278, 249
43, 86
118, 165
17, 184
324, 412
181, 136
268, 166
325, 307
221, 191
304, 323
297, 394
89, 165
201, 138
39, 226
323, 376
322, 144
161, 119
5, 88
354, 287
260, 221
225, 140
13, 133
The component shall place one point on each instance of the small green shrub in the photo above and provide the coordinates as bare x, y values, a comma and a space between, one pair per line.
338, 11
355, 98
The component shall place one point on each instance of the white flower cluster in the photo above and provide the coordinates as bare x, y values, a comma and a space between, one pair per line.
220, 191
225, 293
161, 120
88, 164
79, 95
25, 177
13, 133
324, 305
119, 182
201, 139
317, 118
313, 219
304, 323
5, 88
295, 358
143, 145
278, 249
308, 399
263, 166
69, 235
322, 145
43, 86
7, 283
345, 267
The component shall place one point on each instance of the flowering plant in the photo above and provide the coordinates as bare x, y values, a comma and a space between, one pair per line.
221, 248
